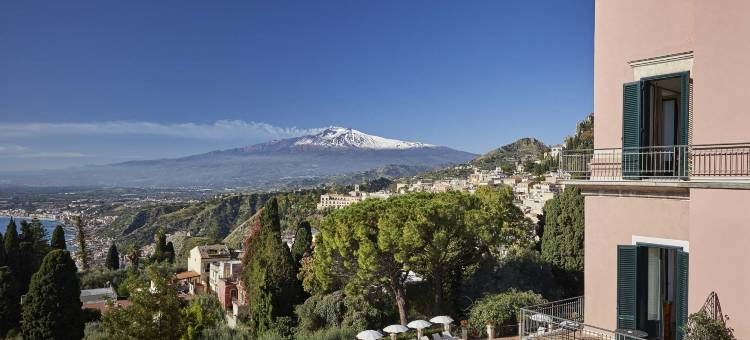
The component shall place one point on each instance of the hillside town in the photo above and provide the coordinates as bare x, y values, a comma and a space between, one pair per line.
530, 192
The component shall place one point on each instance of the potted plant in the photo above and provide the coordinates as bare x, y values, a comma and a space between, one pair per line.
490, 329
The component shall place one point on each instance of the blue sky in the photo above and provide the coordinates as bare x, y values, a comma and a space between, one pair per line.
104, 81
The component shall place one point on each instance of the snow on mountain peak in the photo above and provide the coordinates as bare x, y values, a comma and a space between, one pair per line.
339, 137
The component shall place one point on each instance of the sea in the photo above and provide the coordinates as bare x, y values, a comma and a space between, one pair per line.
49, 226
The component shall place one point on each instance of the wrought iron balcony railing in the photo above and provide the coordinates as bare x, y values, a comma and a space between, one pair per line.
675, 162
562, 320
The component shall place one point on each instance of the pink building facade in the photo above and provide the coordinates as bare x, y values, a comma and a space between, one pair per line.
667, 186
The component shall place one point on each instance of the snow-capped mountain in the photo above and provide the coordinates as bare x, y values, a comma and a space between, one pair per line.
300, 161
339, 137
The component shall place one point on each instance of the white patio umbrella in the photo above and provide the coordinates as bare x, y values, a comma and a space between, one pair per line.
395, 329
418, 325
445, 320
541, 318
369, 335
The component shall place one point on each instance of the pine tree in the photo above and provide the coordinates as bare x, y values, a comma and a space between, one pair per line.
113, 258
10, 309
52, 308
270, 279
58, 238
82, 255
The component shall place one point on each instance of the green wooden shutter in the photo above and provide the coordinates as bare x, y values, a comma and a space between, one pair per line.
681, 292
631, 129
684, 123
627, 269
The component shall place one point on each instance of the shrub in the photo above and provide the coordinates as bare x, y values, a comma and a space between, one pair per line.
99, 278
701, 326
94, 331
321, 311
222, 332
331, 333
501, 309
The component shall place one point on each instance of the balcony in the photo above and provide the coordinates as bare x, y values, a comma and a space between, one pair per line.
676, 163
562, 320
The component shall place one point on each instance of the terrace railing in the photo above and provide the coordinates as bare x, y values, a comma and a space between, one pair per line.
675, 162
562, 320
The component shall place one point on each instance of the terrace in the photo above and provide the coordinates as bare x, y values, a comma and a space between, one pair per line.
704, 163
563, 320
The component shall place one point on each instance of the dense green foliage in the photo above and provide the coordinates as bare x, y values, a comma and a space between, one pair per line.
155, 313
702, 326
371, 246
52, 307
112, 261
10, 243
584, 137
501, 309
32, 247
522, 270
58, 238
163, 251
10, 298
321, 311
562, 241
269, 273
2, 252
332, 333
100, 277
203, 312
302, 242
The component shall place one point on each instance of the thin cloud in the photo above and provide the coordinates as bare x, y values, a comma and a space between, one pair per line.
20, 151
221, 129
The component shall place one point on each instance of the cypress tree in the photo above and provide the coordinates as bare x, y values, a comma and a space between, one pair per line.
271, 281
302, 242
113, 258
169, 252
160, 247
2, 252
27, 266
82, 254
31, 250
58, 238
52, 308
11, 246
10, 309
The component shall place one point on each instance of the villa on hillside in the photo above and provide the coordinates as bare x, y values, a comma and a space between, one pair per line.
336, 201
667, 184
201, 257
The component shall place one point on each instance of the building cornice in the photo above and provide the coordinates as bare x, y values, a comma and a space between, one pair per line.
662, 59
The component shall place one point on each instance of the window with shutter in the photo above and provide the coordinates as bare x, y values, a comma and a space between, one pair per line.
681, 292
627, 274
631, 129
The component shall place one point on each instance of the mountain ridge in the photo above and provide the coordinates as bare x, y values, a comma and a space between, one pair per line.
310, 159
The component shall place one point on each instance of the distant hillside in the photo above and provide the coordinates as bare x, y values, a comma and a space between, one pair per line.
214, 219
520, 150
